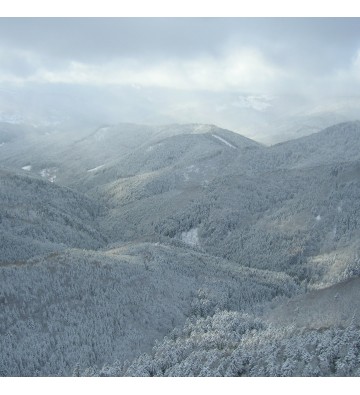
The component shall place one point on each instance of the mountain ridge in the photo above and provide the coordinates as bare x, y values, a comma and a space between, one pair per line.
194, 239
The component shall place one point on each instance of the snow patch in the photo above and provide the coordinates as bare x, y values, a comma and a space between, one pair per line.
224, 141
49, 174
152, 147
95, 168
203, 128
191, 237
318, 218
339, 209
1, 144
27, 168
188, 170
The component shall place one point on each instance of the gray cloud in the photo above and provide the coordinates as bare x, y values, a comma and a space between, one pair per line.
313, 43
220, 70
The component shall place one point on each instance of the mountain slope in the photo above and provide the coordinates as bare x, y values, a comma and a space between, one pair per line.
83, 308
324, 308
38, 217
336, 144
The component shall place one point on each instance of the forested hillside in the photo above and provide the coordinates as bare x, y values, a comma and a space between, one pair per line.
37, 217
178, 250
82, 308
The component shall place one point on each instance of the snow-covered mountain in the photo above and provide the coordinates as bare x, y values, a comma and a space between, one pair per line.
228, 248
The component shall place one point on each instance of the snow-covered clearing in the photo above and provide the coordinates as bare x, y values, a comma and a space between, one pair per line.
191, 237
96, 168
224, 141
27, 168
49, 174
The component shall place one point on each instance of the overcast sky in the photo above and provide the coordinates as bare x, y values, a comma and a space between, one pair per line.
253, 60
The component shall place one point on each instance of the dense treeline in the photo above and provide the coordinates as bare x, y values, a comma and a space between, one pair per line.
86, 308
234, 344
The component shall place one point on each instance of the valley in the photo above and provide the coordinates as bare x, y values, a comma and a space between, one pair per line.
178, 250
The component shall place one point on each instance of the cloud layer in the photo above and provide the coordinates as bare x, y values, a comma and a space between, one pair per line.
246, 62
